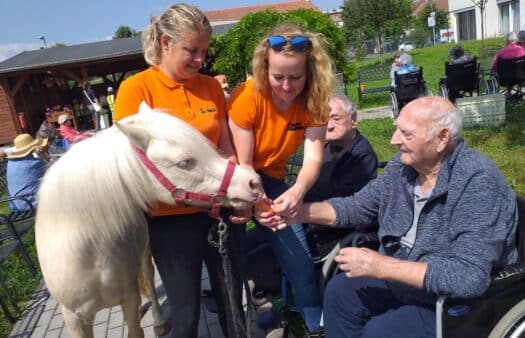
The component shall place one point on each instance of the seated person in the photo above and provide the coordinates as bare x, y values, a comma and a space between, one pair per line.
47, 131
511, 51
405, 66
349, 163
394, 67
68, 132
446, 217
457, 55
521, 38
26, 165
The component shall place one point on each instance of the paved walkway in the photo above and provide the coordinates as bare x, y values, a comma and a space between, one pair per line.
373, 113
43, 318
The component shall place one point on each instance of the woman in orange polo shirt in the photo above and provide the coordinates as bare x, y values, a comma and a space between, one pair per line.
175, 45
270, 115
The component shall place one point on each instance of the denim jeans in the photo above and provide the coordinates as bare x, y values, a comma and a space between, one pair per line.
290, 248
366, 307
179, 244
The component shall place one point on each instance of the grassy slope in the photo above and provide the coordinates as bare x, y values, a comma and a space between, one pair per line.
432, 59
505, 145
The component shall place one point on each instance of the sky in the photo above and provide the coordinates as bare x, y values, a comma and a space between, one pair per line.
72, 22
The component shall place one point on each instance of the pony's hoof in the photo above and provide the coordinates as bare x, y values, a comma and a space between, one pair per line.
162, 329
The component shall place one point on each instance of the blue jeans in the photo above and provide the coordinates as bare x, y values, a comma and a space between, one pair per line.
366, 307
291, 250
179, 244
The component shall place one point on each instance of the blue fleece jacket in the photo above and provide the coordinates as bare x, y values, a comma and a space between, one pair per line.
466, 229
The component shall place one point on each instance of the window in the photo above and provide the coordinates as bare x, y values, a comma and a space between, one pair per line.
466, 25
509, 16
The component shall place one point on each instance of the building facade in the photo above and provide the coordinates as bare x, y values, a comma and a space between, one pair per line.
500, 17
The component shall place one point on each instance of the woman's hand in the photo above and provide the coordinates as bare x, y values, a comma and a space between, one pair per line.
264, 214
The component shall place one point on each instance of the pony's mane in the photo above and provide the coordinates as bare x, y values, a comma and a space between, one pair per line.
94, 189
99, 190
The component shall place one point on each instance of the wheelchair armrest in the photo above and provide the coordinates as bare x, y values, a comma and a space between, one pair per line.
508, 274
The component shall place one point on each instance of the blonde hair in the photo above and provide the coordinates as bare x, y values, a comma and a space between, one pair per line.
175, 22
319, 69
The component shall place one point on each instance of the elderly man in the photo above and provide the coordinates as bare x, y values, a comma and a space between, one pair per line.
349, 161
446, 219
511, 51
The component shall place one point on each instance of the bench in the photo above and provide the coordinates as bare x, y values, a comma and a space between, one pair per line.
371, 80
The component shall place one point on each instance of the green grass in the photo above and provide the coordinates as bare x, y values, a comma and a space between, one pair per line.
431, 58
19, 280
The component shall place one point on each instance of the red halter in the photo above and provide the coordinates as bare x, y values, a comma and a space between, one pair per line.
189, 196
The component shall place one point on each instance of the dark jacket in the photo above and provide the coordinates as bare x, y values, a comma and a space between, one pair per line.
344, 171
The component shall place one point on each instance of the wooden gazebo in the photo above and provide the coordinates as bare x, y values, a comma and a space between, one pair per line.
28, 81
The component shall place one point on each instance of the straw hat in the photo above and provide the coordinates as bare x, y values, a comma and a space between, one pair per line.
25, 144
222, 80
62, 118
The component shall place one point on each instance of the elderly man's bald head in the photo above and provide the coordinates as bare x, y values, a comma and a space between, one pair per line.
439, 113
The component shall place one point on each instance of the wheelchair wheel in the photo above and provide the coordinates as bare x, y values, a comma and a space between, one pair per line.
494, 85
443, 91
512, 325
484, 88
394, 106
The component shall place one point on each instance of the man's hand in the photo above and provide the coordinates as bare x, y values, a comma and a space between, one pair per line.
359, 262
363, 262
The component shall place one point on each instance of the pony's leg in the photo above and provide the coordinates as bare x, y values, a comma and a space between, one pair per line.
147, 280
78, 327
130, 309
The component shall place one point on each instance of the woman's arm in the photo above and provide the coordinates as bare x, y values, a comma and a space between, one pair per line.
287, 205
225, 143
243, 141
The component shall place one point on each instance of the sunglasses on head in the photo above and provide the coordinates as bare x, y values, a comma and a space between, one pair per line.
299, 43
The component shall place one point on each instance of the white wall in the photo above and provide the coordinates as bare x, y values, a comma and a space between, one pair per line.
491, 14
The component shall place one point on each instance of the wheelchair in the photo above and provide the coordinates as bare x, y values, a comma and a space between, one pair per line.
463, 79
407, 87
500, 312
510, 74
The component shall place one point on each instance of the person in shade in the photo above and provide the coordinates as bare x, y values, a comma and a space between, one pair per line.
68, 132
27, 163
446, 217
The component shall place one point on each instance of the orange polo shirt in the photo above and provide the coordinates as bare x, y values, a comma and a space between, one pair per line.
277, 135
199, 102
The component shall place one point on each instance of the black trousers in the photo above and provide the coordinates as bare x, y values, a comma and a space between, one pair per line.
179, 245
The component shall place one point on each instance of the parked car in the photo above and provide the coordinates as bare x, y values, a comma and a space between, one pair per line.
406, 46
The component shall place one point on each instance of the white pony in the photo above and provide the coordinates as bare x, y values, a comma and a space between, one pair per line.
91, 233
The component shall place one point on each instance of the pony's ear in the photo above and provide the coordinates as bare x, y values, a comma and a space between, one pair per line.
144, 108
136, 135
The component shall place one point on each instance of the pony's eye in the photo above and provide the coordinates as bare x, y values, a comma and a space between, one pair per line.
186, 163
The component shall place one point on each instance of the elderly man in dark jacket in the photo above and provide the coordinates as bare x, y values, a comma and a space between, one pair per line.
446, 218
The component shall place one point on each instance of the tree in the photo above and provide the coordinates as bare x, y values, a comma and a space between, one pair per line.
233, 51
481, 4
124, 32
421, 21
376, 19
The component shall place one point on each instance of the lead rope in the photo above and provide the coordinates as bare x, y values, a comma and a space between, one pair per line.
241, 330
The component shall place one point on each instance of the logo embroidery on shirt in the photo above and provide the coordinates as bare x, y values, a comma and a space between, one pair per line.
295, 126
205, 110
